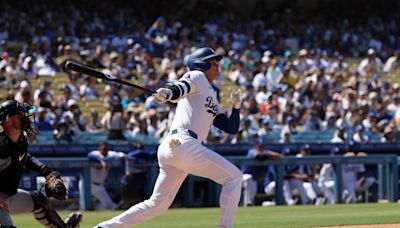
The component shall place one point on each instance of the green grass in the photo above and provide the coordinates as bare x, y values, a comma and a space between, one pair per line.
252, 217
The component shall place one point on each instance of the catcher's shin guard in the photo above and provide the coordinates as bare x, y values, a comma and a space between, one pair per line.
44, 212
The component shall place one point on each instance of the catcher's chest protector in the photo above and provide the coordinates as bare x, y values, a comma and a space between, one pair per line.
17, 153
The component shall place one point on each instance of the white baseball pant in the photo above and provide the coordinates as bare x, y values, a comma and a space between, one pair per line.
327, 187
101, 194
175, 164
352, 187
249, 189
289, 186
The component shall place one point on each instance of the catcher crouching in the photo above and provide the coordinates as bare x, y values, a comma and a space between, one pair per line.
15, 118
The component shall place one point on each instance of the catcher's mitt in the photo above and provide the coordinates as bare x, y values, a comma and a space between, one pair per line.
54, 186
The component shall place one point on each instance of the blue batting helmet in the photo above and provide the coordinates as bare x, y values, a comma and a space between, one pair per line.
198, 60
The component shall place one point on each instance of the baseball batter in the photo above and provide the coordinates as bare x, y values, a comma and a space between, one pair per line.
182, 151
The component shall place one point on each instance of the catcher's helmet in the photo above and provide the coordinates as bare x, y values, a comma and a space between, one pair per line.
12, 107
198, 60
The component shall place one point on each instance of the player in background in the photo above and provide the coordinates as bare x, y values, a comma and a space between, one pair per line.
182, 151
252, 174
99, 174
14, 157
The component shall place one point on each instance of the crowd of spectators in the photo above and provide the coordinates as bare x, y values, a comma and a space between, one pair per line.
294, 67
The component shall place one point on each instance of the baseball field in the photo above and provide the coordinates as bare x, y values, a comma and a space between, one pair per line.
252, 217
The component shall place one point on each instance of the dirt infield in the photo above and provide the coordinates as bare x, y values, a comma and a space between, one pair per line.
366, 226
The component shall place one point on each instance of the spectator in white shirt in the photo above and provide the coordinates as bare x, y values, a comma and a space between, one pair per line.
393, 63
370, 65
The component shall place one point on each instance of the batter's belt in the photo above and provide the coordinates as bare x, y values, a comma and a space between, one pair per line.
191, 133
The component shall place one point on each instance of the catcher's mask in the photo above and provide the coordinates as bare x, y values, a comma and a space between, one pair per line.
11, 107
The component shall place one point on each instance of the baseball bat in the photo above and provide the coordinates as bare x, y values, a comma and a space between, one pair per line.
97, 74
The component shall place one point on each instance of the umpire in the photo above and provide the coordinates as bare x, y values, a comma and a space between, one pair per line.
16, 122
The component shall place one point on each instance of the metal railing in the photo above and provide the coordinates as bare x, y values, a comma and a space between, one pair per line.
387, 174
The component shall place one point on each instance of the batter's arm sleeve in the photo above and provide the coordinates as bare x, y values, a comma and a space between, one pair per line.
34, 164
229, 125
186, 85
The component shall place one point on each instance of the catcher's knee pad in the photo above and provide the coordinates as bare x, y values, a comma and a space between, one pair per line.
44, 212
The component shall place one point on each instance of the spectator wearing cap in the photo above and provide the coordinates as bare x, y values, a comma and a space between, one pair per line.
302, 64
253, 174
370, 65
392, 63
24, 85
74, 113
359, 135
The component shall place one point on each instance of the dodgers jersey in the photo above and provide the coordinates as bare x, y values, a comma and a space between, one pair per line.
197, 106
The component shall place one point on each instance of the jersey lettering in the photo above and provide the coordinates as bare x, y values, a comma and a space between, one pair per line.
211, 107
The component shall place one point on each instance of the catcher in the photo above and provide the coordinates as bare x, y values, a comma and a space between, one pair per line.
16, 122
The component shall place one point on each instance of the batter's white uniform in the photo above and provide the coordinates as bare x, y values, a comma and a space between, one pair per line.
195, 114
98, 176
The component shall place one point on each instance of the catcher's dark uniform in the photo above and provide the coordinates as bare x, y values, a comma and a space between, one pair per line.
14, 158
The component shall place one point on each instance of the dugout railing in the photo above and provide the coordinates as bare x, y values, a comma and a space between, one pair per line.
387, 175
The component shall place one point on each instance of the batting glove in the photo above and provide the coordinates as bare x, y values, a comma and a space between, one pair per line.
236, 98
174, 143
162, 95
